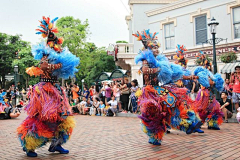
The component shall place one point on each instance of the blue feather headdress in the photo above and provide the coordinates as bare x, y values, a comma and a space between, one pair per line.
204, 75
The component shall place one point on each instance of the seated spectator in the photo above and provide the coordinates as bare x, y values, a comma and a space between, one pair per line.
106, 109
74, 107
101, 108
9, 113
95, 106
81, 106
226, 106
113, 106
88, 106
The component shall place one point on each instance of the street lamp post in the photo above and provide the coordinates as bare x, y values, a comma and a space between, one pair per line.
82, 84
15, 78
213, 27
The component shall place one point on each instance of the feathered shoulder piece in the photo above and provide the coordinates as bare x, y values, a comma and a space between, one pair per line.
180, 52
47, 29
148, 39
34, 71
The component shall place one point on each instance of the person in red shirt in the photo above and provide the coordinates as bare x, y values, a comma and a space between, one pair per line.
235, 79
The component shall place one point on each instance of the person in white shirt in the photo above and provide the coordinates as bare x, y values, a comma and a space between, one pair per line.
133, 90
95, 106
103, 92
82, 105
113, 105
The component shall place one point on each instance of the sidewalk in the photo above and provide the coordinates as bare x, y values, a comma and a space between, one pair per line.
121, 138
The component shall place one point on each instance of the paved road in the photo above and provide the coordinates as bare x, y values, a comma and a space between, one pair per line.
122, 138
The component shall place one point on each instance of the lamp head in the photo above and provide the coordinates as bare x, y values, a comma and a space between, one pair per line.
213, 25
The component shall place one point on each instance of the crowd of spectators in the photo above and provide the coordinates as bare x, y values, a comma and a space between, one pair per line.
12, 102
106, 99
113, 97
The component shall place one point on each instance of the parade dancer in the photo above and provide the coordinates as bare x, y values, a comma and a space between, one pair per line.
49, 115
206, 104
204, 60
163, 106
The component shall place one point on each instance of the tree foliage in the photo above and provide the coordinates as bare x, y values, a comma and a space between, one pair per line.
9, 45
25, 60
74, 33
93, 64
121, 42
93, 60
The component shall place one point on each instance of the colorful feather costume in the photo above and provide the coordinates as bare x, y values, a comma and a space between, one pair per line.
49, 114
165, 106
180, 56
204, 61
206, 104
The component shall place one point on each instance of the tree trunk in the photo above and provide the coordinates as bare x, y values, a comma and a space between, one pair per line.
3, 81
27, 80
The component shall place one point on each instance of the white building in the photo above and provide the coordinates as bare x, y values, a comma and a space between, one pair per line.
181, 22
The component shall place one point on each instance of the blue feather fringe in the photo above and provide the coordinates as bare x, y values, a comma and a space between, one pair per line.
69, 63
165, 74
146, 55
218, 80
66, 58
177, 72
40, 50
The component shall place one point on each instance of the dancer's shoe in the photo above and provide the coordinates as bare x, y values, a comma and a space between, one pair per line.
215, 128
193, 126
31, 154
59, 149
155, 142
198, 130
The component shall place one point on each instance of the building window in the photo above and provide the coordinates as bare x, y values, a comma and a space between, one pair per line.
236, 22
201, 29
169, 36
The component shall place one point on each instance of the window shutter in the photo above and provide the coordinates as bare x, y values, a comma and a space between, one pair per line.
201, 29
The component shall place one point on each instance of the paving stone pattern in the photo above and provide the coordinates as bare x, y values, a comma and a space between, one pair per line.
122, 138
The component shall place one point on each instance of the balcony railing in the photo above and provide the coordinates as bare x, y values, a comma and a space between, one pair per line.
125, 47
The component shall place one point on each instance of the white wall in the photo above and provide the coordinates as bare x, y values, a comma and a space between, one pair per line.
140, 21
185, 30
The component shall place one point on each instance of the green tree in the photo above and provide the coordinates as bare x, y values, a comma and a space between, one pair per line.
94, 64
93, 60
25, 60
9, 45
121, 42
74, 32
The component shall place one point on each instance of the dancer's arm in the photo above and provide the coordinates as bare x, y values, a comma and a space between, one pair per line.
147, 70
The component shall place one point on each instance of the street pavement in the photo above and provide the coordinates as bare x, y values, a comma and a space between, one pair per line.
122, 138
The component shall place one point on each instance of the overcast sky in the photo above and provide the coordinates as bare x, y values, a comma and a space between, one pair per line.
106, 17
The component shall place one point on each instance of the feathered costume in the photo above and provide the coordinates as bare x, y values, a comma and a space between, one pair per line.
182, 61
163, 106
206, 104
49, 114
180, 56
203, 60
